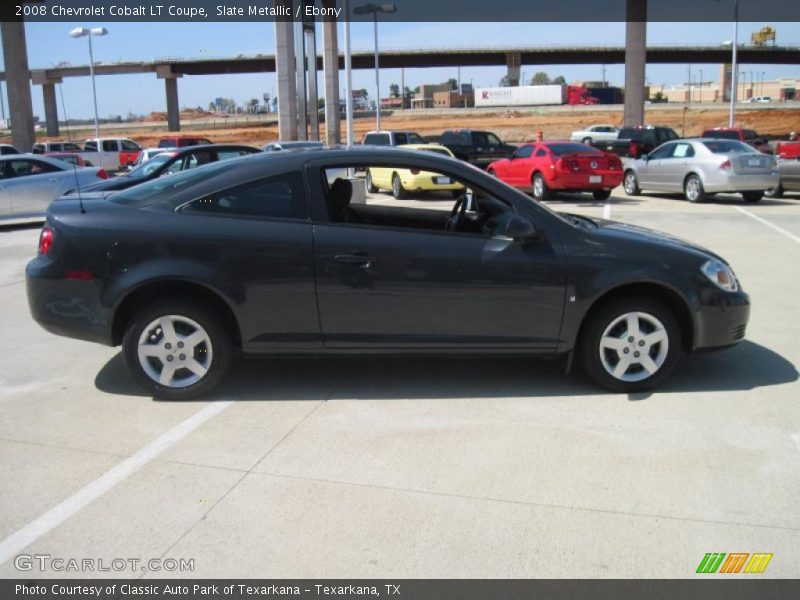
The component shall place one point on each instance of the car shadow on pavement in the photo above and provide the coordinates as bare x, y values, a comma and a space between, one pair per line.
746, 367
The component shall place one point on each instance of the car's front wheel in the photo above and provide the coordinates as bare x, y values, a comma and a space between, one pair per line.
630, 184
371, 188
177, 349
630, 345
398, 191
693, 189
540, 190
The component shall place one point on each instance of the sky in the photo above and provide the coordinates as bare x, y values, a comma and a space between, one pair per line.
49, 44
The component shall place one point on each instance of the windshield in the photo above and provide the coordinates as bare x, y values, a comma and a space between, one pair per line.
148, 167
479, 138
437, 151
726, 147
163, 188
414, 138
561, 149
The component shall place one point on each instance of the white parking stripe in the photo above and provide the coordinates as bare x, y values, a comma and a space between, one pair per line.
780, 230
796, 438
607, 208
19, 540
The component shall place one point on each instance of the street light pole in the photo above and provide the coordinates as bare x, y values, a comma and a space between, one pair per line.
348, 76
79, 32
375, 9
734, 68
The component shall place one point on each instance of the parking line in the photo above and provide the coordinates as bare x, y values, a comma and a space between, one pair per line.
54, 517
796, 438
780, 230
607, 208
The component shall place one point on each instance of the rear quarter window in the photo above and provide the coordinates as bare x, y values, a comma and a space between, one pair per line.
377, 139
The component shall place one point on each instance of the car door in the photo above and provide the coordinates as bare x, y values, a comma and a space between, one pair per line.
675, 166
33, 184
519, 166
649, 171
5, 195
404, 287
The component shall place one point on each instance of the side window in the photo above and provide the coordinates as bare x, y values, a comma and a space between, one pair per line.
278, 197
377, 139
197, 159
541, 152
683, 151
400, 139
22, 168
523, 152
664, 151
129, 146
71, 147
226, 154
56, 147
110, 146
37, 149
90, 145
448, 137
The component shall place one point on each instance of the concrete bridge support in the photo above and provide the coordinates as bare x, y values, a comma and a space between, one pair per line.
171, 87
20, 107
330, 58
49, 99
285, 72
513, 64
635, 62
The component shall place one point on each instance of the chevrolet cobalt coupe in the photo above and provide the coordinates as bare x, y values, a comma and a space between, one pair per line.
280, 253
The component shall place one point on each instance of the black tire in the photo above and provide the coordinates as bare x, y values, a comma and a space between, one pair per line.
398, 191
752, 197
589, 348
690, 192
601, 194
586, 140
540, 190
370, 186
221, 348
776, 192
630, 184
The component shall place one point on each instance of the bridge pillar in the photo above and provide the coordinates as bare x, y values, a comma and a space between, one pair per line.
285, 73
513, 64
171, 87
49, 99
330, 57
635, 62
20, 107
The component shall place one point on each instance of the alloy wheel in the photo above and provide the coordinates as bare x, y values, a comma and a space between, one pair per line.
693, 189
630, 183
634, 346
175, 351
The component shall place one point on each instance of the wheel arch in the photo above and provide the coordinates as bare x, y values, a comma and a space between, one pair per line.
172, 288
658, 292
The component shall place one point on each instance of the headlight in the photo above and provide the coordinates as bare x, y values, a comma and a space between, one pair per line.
720, 275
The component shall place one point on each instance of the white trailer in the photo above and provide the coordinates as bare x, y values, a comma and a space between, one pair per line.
525, 95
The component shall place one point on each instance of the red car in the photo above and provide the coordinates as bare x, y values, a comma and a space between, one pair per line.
544, 167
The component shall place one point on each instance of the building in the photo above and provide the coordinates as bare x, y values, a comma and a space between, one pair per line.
424, 97
750, 84
393, 103
452, 99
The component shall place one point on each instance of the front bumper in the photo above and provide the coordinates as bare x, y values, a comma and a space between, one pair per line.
720, 319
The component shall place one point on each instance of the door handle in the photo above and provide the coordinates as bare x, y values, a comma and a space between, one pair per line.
356, 258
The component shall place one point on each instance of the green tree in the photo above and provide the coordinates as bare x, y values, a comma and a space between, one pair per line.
504, 81
453, 84
394, 90
560, 80
540, 78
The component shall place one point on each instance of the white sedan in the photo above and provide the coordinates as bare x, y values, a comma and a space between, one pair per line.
595, 133
29, 183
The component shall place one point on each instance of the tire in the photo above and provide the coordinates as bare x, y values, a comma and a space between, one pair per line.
752, 197
601, 194
630, 184
397, 187
693, 189
776, 192
586, 140
371, 188
605, 338
540, 190
210, 359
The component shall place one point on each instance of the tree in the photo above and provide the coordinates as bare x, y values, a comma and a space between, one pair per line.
252, 105
504, 81
212, 107
394, 90
453, 84
560, 80
540, 78
362, 92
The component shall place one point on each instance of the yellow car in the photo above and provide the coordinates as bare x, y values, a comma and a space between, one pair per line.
402, 181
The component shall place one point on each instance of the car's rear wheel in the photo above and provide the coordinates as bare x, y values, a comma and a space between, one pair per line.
540, 190
630, 184
601, 194
752, 197
693, 189
371, 188
776, 192
397, 187
586, 140
177, 349
630, 345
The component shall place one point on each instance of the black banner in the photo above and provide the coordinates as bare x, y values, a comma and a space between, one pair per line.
406, 589
690, 11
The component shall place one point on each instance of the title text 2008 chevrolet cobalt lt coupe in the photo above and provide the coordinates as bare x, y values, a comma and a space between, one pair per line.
268, 255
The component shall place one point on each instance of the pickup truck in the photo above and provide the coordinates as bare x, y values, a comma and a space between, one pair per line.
748, 136
632, 142
478, 148
114, 153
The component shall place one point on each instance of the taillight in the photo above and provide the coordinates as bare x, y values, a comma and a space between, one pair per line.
633, 150
102, 174
726, 166
45, 240
569, 164
614, 165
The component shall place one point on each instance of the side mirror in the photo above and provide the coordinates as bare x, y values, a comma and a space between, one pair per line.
645, 157
521, 229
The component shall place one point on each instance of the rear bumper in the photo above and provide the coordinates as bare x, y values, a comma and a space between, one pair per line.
580, 181
742, 183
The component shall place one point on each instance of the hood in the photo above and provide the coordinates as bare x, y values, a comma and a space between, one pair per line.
634, 233
110, 184
87, 194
